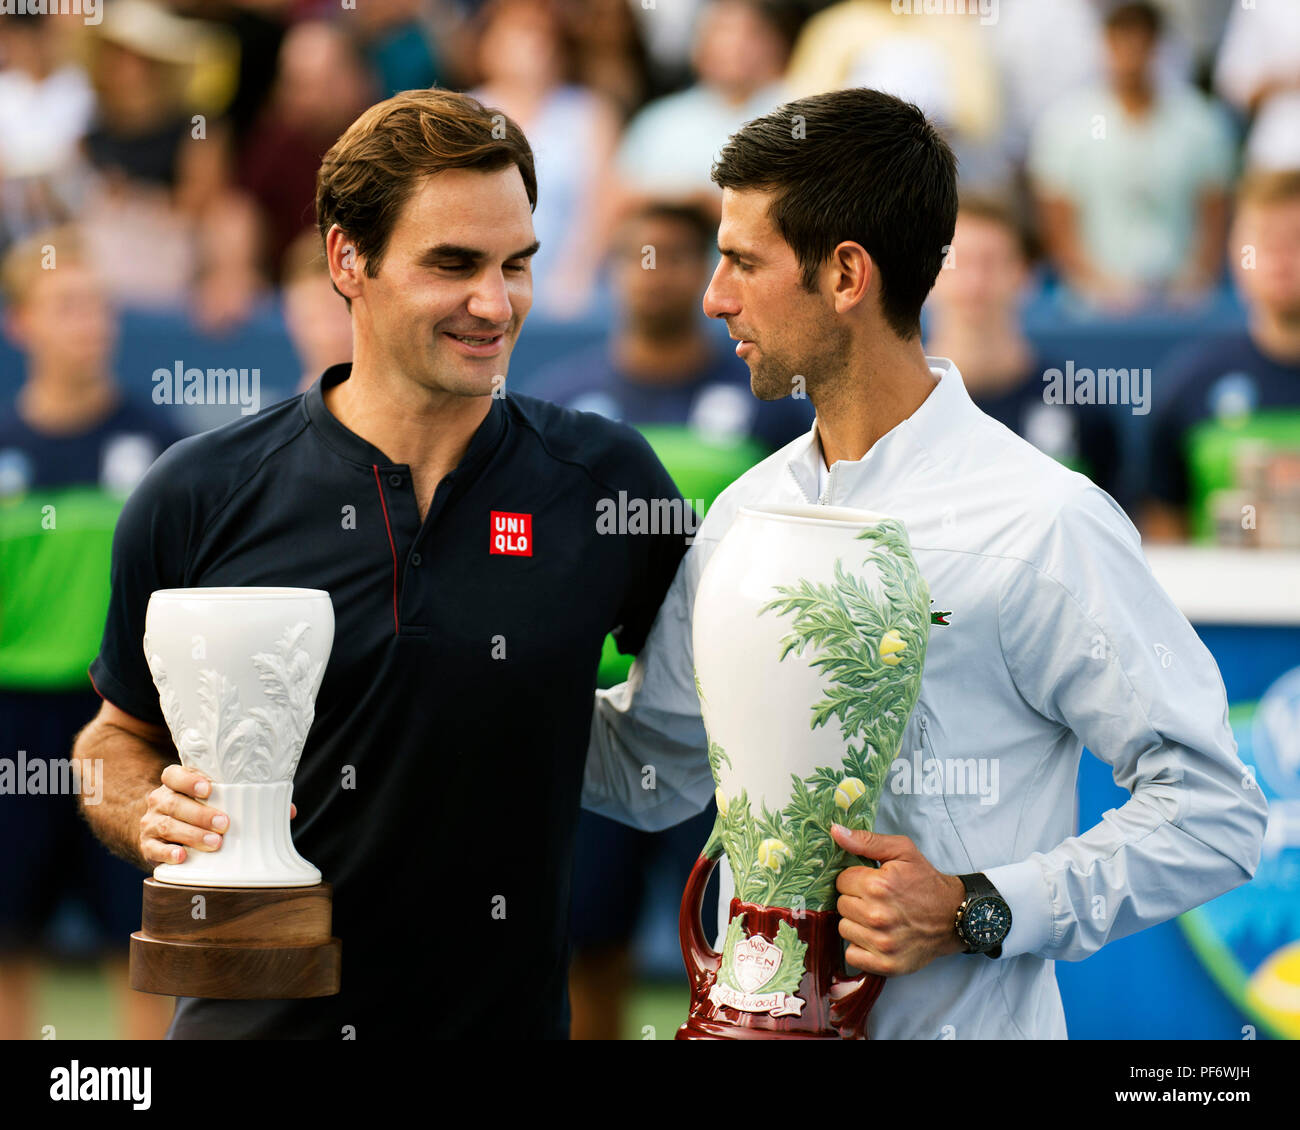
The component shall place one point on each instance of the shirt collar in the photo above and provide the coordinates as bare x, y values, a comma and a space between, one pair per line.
352, 447
934, 428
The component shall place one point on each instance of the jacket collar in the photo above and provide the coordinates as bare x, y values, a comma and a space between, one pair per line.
932, 433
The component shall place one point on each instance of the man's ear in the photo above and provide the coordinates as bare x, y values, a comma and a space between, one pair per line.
852, 274
344, 263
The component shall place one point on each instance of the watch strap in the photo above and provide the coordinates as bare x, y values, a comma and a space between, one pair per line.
977, 884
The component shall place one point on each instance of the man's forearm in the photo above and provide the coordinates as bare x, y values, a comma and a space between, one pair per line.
1061, 234
122, 769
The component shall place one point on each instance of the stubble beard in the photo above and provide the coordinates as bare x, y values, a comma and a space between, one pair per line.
776, 377
770, 379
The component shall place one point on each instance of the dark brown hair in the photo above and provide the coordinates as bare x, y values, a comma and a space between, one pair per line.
1127, 14
372, 170
854, 165
694, 217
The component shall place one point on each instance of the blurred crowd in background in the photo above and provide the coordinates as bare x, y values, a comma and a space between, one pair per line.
1130, 177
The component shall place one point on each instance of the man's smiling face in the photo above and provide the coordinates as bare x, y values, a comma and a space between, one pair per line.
784, 330
455, 281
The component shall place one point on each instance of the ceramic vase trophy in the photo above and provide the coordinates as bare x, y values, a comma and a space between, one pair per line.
237, 672
810, 630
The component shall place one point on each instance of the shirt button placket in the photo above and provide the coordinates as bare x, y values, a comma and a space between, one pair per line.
397, 480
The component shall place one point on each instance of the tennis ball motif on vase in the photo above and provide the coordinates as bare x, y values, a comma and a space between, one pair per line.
772, 853
848, 790
892, 645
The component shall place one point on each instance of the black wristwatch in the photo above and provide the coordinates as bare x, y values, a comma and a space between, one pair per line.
983, 919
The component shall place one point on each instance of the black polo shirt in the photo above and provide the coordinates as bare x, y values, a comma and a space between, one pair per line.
439, 786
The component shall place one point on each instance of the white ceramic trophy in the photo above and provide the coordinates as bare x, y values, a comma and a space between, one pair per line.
237, 672
810, 632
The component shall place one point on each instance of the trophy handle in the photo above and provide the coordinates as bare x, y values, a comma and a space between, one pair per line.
702, 960
851, 1001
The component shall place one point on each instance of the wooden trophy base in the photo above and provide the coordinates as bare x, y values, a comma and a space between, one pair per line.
239, 943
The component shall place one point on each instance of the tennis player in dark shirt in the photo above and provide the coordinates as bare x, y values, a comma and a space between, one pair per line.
459, 693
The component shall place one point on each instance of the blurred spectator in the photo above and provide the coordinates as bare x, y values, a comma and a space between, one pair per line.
668, 31
399, 44
162, 158
1133, 179
1047, 50
663, 364
318, 320
447, 26
1258, 72
71, 449
611, 55
46, 104
973, 318
526, 61
407, 44
258, 27
1042, 51
941, 62
322, 84
665, 373
1227, 435
741, 51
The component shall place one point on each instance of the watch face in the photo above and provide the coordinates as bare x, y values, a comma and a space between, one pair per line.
986, 922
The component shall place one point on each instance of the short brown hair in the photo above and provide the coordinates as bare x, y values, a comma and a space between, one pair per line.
1268, 186
1003, 212
862, 166
25, 260
702, 225
1128, 14
371, 171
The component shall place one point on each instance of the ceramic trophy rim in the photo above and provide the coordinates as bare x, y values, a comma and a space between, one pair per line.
810, 514
237, 592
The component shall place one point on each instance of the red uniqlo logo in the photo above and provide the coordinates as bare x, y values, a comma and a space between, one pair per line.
512, 534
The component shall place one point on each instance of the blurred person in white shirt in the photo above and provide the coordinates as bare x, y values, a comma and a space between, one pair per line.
740, 53
1133, 178
527, 61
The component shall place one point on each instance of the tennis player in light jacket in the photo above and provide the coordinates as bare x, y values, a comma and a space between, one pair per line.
837, 214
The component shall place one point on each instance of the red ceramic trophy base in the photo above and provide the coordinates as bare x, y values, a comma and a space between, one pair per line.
835, 1005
